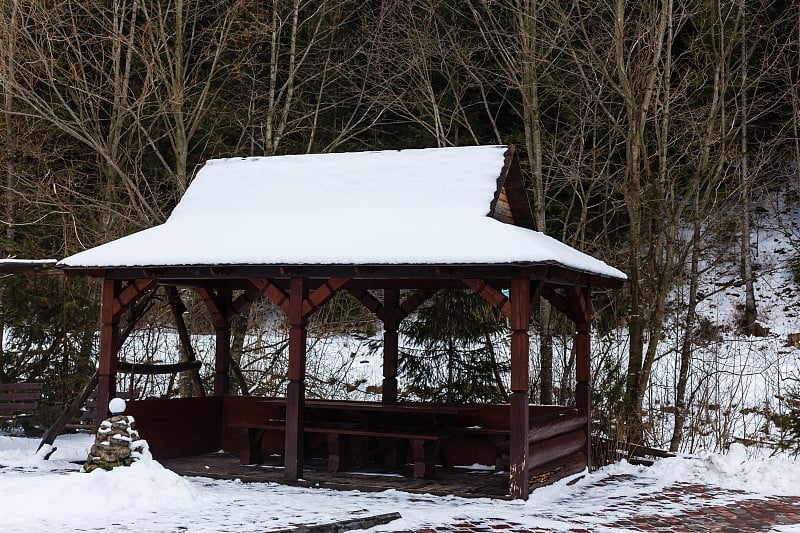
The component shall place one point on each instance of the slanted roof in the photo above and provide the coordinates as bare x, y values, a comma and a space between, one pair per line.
15, 266
434, 206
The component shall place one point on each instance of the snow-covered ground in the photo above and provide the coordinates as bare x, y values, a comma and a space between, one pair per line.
38, 495
737, 383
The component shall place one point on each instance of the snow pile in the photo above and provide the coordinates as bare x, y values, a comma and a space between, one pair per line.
735, 470
53, 493
741, 468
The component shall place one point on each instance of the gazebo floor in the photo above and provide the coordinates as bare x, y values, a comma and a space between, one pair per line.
464, 482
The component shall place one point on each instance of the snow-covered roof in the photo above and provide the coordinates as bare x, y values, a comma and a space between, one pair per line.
403, 207
12, 265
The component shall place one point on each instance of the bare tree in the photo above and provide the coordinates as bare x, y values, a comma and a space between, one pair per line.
181, 45
750, 311
301, 82
73, 69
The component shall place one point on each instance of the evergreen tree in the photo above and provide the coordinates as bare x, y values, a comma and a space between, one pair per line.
451, 352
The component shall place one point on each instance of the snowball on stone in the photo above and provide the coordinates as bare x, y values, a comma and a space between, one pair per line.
116, 406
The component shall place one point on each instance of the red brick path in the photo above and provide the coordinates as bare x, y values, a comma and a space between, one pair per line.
678, 508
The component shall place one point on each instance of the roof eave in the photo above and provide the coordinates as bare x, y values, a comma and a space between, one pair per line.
553, 273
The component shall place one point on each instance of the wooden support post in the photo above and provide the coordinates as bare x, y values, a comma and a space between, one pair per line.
109, 344
583, 392
391, 322
222, 328
295, 392
520, 346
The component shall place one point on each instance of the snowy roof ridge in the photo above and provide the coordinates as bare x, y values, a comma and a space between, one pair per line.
391, 207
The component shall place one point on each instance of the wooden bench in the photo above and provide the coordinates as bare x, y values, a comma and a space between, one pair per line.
424, 446
498, 437
19, 400
88, 416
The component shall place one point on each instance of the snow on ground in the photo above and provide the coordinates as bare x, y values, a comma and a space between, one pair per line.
38, 495
737, 383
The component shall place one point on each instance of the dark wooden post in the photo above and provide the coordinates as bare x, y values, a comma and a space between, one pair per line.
109, 344
295, 392
583, 391
391, 322
222, 328
520, 346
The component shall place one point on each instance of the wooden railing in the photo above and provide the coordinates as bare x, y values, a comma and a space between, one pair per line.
557, 447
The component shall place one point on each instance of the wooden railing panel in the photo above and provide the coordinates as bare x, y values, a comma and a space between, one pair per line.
179, 427
557, 426
552, 472
555, 448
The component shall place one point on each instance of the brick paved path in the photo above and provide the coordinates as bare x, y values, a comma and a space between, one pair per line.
681, 507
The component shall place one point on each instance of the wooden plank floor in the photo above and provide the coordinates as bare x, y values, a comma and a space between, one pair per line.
455, 481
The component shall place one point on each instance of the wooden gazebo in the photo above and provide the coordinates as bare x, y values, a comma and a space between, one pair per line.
297, 229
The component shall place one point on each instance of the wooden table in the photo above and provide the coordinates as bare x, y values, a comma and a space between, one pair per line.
351, 427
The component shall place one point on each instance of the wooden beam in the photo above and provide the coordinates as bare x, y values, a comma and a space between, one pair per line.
411, 275
322, 294
563, 304
127, 296
222, 330
109, 337
220, 305
223, 310
401, 311
219, 314
494, 297
295, 390
557, 426
559, 469
391, 312
557, 447
581, 303
391, 323
243, 302
275, 294
372, 304
414, 300
519, 309
151, 369
326, 290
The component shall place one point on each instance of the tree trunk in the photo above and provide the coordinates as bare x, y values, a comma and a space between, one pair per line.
564, 392
238, 333
546, 353
9, 207
750, 313
451, 361
681, 410
187, 352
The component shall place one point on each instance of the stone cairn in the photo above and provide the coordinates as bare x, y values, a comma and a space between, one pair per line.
117, 442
